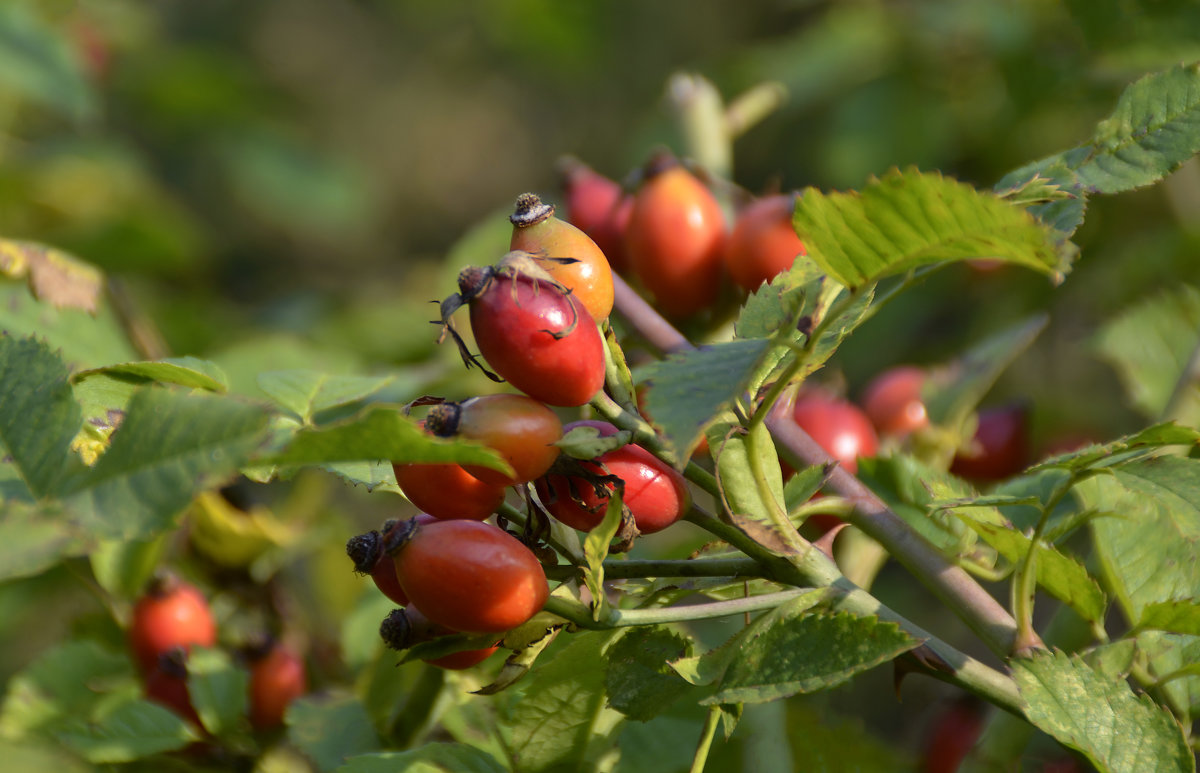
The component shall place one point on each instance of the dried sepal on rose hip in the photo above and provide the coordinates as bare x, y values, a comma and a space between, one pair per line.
530, 329
404, 628
565, 252
369, 552
654, 493
522, 430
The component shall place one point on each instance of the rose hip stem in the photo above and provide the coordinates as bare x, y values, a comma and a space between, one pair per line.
970, 601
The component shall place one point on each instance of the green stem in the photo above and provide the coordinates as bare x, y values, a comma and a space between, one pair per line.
581, 616
1024, 580
732, 567
706, 738
418, 708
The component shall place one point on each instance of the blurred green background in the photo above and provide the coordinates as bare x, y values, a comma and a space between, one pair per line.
297, 172
306, 166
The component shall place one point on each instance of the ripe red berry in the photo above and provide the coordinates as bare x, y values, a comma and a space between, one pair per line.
1000, 447
448, 491
654, 492
893, 401
471, 576
166, 684
172, 613
535, 336
763, 242
565, 252
599, 207
951, 737
837, 426
675, 238
276, 679
520, 429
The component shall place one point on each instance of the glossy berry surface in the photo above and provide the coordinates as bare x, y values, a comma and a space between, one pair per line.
171, 614
951, 737
565, 252
836, 425
471, 576
675, 239
1000, 446
763, 242
599, 207
536, 337
654, 492
276, 679
448, 491
892, 400
522, 430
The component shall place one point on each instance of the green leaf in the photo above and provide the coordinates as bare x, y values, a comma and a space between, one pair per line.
825, 741
560, 722
1150, 347
330, 728
66, 681
686, 390
1147, 545
307, 392
1154, 129
377, 473
799, 652
1182, 616
83, 339
37, 62
637, 678
38, 413
595, 550
1100, 717
217, 688
181, 371
1050, 192
1121, 450
909, 219
733, 448
904, 483
26, 755
1062, 576
790, 296
123, 567
34, 538
955, 389
1174, 659
665, 744
380, 432
170, 447
429, 758
126, 732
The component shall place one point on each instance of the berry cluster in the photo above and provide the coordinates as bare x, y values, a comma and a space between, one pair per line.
171, 618
672, 237
537, 317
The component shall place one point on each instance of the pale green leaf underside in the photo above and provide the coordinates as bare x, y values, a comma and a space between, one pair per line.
1150, 346
908, 219
1148, 544
1099, 716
